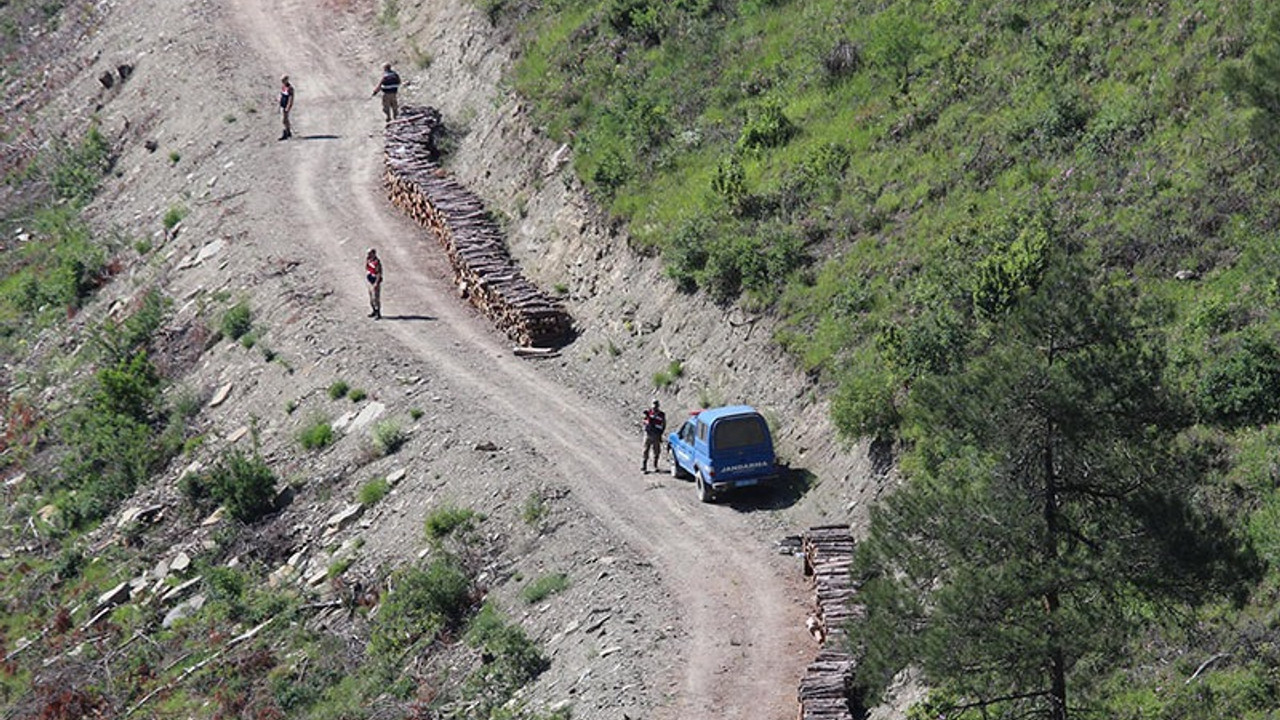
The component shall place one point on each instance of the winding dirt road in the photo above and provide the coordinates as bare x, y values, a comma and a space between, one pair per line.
744, 647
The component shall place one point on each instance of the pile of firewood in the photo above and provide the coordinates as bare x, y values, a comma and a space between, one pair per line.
483, 269
825, 692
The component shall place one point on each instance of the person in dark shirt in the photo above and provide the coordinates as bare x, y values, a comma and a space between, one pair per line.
389, 86
655, 424
286, 107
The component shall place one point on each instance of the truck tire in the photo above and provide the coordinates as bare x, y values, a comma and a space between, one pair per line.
704, 490
677, 472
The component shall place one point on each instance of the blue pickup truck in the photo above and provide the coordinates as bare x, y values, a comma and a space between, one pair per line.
723, 449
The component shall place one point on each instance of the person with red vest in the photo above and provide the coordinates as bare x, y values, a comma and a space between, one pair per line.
373, 273
655, 425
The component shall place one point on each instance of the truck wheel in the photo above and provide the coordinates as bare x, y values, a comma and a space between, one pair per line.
677, 472
704, 490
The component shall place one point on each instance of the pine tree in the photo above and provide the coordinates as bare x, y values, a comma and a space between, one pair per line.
1046, 499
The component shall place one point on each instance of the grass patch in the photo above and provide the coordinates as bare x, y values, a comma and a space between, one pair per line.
237, 321
388, 437
446, 521
544, 587
338, 389
673, 372
373, 491
357, 394
173, 216
317, 434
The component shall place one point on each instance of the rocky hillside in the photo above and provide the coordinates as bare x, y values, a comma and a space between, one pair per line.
446, 530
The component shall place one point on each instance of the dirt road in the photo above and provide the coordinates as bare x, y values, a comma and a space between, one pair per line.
743, 646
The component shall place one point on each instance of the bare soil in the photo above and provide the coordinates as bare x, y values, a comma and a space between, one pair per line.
675, 609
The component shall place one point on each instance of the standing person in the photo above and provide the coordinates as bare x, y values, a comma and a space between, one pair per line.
389, 86
373, 273
655, 424
286, 106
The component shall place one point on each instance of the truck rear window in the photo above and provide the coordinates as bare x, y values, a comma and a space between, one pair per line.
738, 432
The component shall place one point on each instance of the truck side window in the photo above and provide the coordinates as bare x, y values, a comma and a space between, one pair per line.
702, 431
686, 432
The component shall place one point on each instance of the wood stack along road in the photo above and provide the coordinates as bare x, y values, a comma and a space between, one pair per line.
824, 691
483, 270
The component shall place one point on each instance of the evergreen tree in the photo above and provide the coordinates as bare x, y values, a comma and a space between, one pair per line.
1047, 508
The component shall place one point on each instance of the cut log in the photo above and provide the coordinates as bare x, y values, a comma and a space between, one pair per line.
483, 269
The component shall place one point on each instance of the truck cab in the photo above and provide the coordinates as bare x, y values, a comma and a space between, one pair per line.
723, 449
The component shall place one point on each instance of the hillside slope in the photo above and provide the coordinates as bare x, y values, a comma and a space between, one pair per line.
670, 608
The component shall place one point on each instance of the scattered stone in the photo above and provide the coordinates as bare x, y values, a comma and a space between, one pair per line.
215, 518
1186, 275
139, 514
151, 145
179, 590
183, 610
107, 79
395, 477
343, 518
220, 396
237, 434
114, 596
180, 562
609, 651
48, 513
15, 481
367, 415
486, 446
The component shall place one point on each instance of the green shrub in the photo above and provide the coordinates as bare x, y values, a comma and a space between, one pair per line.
663, 378
174, 157
515, 660
78, 171
415, 414
338, 389
767, 126
316, 434
544, 587
173, 216
535, 509
236, 321
112, 439
388, 437
421, 603
1241, 386
244, 484
356, 395
448, 520
373, 491
864, 405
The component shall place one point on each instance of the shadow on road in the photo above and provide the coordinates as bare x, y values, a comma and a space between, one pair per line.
786, 491
318, 137
408, 317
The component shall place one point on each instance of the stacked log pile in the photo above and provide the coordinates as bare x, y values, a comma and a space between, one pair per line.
483, 270
825, 689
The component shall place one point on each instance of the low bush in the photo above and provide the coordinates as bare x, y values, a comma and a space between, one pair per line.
338, 389
173, 216
316, 434
357, 394
446, 521
421, 603
373, 491
237, 321
244, 484
544, 587
388, 437
515, 660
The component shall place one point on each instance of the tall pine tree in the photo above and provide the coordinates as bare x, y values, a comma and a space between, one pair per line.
1046, 503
